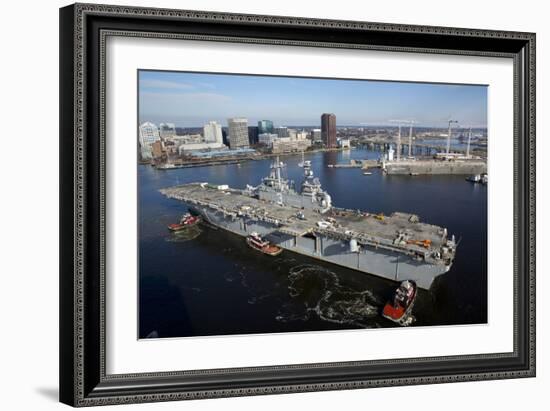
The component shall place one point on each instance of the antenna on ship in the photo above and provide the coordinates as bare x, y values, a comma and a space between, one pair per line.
278, 171
301, 163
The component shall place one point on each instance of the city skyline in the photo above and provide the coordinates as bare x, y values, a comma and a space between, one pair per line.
193, 99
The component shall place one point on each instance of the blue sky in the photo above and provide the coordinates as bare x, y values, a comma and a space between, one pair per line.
191, 99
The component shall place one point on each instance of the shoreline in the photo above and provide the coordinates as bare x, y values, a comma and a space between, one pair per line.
235, 160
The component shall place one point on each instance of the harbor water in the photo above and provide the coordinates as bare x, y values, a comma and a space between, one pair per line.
205, 281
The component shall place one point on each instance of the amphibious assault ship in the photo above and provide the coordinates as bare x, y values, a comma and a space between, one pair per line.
397, 247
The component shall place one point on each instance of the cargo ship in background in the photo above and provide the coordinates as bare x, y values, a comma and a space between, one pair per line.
397, 247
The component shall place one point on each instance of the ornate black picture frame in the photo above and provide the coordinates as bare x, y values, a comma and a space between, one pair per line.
83, 31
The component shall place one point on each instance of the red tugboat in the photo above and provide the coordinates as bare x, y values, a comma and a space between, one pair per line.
187, 220
398, 310
258, 243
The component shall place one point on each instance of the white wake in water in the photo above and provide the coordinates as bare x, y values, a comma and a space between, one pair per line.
316, 290
188, 234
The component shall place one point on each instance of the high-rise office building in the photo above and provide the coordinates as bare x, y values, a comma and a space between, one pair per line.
238, 132
281, 131
213, 132
148, 134
253, 133
328, 130
265, 127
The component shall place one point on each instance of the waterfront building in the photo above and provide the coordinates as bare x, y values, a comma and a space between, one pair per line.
148, 134
191, 148
213, 132
158, 149
238, 152
287, 144
170, 147
146, 152
328, 129
238, 133
167, 130
253, 133
316, 135
210, 140
188, 139
225, 136
265, 127
296, 135
301, 135
344, 143
267, 138
281, 131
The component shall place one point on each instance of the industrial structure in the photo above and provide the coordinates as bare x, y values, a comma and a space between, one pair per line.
449, 135
401, 123
445, 162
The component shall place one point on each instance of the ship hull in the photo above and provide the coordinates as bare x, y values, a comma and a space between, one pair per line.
376, 261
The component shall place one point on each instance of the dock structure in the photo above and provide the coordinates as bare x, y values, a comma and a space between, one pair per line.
467, 166
421, 167
421, 148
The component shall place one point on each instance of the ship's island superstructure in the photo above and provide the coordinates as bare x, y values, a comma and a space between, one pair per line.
396, 247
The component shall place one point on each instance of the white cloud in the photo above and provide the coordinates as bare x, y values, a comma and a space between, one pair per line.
165, 85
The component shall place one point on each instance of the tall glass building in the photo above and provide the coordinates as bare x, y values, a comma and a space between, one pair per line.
265, 127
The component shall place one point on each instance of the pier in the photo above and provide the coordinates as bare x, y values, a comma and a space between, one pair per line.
423, 148
434, 167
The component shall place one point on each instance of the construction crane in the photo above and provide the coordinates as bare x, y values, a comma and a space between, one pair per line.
411, 122
469, 141
449, 135
399, 124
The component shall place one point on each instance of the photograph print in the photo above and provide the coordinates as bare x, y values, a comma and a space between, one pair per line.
273, 204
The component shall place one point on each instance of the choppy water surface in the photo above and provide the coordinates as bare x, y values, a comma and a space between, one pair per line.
206, 281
